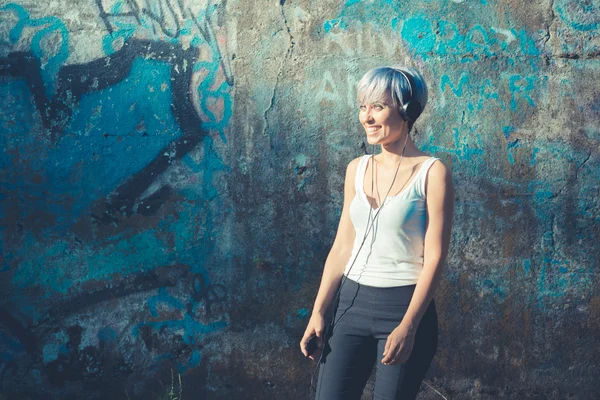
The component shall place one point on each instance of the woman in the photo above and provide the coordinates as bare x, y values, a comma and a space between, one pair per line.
388, 255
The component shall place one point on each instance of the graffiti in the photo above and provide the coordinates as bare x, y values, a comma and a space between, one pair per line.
199, 87
583, 15
199, 31
487, 92
64, 358
139, 17
88, 364
113, 169
511, 144
427, 37
478, 92
201, 314
328, 91
163, 14
56, 112
135, 283
362, 39
336, 90
464, 148
59, 354
51, 59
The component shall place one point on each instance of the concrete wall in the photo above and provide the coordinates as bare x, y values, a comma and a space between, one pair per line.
172, 173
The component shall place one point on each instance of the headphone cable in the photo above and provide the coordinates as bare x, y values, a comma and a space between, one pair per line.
333, 323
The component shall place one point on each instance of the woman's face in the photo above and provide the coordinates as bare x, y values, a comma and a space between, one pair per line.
382, 122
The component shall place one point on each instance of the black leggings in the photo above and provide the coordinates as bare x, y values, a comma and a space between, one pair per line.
367, 315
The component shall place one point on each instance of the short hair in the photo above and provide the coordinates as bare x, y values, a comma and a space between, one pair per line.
386, 82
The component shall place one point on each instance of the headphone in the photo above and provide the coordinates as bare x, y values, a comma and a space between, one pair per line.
412, 108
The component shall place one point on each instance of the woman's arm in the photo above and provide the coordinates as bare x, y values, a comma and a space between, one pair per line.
336, 260
440, 210
341, 249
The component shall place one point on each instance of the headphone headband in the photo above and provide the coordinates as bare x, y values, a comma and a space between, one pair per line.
412, 108
409, 80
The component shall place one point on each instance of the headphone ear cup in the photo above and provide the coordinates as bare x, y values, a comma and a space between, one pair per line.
412, 109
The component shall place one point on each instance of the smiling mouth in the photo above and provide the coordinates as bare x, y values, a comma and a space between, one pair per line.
372, 129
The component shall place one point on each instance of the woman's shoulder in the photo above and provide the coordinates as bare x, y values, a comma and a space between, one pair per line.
437, 165
438, 174
353, 165
435, 162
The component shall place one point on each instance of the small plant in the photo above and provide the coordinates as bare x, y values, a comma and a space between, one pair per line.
172, 394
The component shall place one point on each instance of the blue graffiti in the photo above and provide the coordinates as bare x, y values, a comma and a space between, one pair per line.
206, 94
424, 40
583, 15
165, 299
120, 35
120, 254
521, 90
193, 330
329, 24
457, 90
520, 86
427, 35
418, 33
105, 131
123, 24
51, 25
208, 166
462, 149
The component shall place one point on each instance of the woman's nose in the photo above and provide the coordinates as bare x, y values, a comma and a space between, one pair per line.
367, 117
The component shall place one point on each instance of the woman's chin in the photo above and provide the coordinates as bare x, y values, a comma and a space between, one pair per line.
372, 140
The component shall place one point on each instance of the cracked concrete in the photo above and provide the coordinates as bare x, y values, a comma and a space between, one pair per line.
549, 27
284, 60
574, 179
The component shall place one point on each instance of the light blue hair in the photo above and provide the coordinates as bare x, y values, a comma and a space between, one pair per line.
382, 83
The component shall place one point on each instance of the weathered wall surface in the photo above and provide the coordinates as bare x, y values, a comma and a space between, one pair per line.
172, 173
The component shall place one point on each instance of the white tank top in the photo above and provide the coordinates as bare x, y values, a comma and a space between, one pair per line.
392, 254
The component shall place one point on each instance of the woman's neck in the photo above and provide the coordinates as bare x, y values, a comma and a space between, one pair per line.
391, 152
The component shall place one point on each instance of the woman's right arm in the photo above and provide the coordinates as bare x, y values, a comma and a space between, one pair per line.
334, 265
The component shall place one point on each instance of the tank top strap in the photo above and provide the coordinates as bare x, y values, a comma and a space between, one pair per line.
422, 175
360, 173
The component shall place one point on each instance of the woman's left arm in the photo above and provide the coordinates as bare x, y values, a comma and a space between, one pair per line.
440, 210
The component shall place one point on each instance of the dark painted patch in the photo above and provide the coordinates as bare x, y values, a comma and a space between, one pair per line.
134, 283
74, 81
18, 330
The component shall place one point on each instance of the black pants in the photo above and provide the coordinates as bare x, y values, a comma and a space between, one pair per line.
367, 315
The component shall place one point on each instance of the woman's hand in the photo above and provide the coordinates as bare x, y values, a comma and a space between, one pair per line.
316, 327
398, 346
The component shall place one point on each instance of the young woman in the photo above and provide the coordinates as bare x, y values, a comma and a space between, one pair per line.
389, 251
